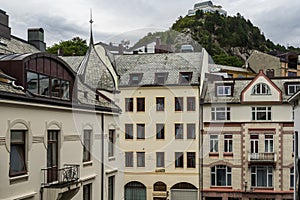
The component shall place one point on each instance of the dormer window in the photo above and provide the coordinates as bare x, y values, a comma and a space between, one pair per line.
160, 78
223, 90
185, 77
261, 89
135, 79
293, 88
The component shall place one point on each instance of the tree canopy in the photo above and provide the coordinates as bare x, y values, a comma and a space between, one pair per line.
74, 47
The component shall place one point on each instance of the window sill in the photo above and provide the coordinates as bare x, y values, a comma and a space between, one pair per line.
292, 189
262, 188
111, 158
87, 163
214, 154
18, 179
228, 154
220, 187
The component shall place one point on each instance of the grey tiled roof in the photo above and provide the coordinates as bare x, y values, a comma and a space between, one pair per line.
239, 85
149, 64
15, 45
9, 88
218, 68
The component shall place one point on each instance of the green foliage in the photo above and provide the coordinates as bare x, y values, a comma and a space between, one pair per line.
224, 59
73, 47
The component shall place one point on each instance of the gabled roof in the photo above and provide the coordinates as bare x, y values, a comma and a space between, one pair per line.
16, 45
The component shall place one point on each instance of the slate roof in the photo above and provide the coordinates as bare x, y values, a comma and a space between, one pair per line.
239, 85
218, 68
149, 64
16, 45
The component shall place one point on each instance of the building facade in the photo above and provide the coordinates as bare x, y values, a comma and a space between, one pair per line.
248, 138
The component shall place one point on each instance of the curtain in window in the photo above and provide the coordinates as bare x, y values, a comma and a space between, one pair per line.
135, 191
17, 159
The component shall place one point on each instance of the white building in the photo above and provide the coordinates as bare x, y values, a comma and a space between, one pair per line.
206, 7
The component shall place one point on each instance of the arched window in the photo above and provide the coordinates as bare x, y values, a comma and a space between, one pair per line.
220, 175
159, 186
260, 89
183, 185
135, 190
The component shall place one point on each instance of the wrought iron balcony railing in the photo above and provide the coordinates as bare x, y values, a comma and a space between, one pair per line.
262, 157
54, 176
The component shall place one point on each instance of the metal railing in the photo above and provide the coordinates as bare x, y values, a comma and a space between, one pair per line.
54, 176
271, 157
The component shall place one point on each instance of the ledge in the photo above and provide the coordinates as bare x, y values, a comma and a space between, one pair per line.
214, 154
228, 154
18, 179
25, 196
88, 163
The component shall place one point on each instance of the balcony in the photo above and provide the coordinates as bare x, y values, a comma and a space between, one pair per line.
54, 177
262, 158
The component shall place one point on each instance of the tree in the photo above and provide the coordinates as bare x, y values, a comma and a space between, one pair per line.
74, 47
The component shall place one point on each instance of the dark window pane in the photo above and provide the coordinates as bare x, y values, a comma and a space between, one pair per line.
129, 104
32, 82
140, 131
160, 131
160, 104
191, 104
191, 159
178, 103
44, 85
191, 131
178, 131
55, 87
140, 104
128, 131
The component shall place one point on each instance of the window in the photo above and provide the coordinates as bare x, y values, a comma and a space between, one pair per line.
185, 77
261, 89
228, 143
292, 177
86, 145
261, 113
223, 90
140, 159
87, 192
292, 74
111, 187
129, 104
160, 78
269, 147
55, 89
178, 159
293, 89
32, 82
160, 159
159, 186
254, 144
178, 103
220, 113
191, 104
140, 131
214, 143
261, 176
160, 131
178, 131
17, 153
160, 103
191, 159
44, 86
111, 143
135, 79
221, 175
140, 106
128, 159
129, 131
191, 131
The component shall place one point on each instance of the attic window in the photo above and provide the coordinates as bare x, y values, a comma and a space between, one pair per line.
261, 89
185, 77
135, 79
293, 88
160, 78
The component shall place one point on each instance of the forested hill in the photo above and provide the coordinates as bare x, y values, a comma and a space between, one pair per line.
229, 39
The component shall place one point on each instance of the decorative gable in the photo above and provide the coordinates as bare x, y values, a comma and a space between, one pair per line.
261, 89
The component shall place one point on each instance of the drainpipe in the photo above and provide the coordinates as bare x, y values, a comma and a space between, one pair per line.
102, 156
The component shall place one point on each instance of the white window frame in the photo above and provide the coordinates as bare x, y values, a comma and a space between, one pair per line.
295, 88
216, 112
228, 143
269, 143
254, 174
264, 109
214, 143
214, 175
261, 89
223, 90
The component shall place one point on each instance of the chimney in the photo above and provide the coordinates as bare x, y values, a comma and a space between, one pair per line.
158, 41
5, 31
121, 49
146, 49
60, 52
36, 38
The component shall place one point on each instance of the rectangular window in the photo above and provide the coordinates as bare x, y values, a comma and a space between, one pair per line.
185, 77
17, 153
292, 177
227, 143
65, 89
269, 144
191, 159
262, 176
178, 159
293, 89
140, 131
191, 106
129, 104
261, 113
32, 82
220, 113
178, 103
160, 131
140, 159
214, 147
135, 79
86, 145
160, 78
128, 159
140, 104
223, 90
111, 143
129, 131
191, 131
44, 82
160, 103
254, 144
87, 192
111, 188
178, 131
160, 159
55, 87
220, 175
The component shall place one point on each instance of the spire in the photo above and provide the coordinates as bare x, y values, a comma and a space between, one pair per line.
91, 28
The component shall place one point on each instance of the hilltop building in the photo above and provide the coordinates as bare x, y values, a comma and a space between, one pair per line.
206, 7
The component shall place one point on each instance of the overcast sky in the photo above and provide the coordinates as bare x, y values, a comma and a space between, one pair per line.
115, 20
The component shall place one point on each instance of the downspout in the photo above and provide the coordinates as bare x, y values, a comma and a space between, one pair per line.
102, 156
